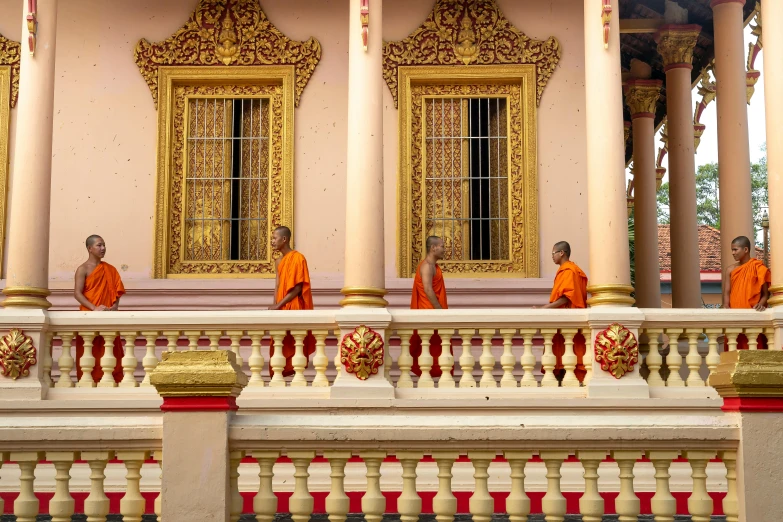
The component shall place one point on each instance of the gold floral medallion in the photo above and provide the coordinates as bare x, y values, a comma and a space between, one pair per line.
617, 350
17, 354
361, 352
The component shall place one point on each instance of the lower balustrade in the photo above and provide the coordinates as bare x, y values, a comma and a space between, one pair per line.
483, 483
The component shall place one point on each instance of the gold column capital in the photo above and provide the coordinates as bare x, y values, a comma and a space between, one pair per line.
198, 374
676, 43
642, 97
749, 373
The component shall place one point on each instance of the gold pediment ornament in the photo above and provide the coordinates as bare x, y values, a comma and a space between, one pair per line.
228, 32
10, 54
470, 32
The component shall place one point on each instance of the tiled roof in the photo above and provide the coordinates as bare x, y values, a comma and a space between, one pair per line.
709, 249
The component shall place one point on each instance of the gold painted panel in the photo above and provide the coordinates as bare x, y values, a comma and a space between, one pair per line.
514, 83
173, 238
10, 55
6, 81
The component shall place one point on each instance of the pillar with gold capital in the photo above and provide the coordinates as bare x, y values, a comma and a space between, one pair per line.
772, 12
364, 253
641, 98
27, 275
675, 45
736, 211
610, 269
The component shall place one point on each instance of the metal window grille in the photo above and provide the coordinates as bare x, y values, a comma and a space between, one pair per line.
227, 179
466, 176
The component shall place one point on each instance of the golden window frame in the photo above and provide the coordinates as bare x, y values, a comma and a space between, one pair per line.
5, 130
169, 226
523, 169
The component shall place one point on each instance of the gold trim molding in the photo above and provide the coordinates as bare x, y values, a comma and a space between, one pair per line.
6, 100
749, 373
469, 32
271, 81
198, 373
364, 296
515, 83
26, 297
228, 33
776, 293
610, 295
10, 55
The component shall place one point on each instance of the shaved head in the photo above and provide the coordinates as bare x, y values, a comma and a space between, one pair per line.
284, 232
90, 241
431, 242
742, 242
564, 246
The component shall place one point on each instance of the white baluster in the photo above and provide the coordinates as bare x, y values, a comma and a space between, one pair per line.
256, 360
409, 502
713, 357
321, 362
663, 504
674, 359
731, 338
700, 503
466, 359
277, 361
517, 502
730, 501
654, 359
235, 506
548, 359
47, 359
481, 503
772, 343
299, 361
171, 340
96, 505
587, 360
65, 362
129, 361
425, 360
214, 339
753, 337
337, 502
446, 360
405, 360
87, 362
373, 501
132, 503
3, 458
265, 501
487, 360
507, 360
338, 365
444, 504
108, 361
591, 505
528, 360
150, 360
26, 504
236, 343
554, 503
388, 361
158, 505
193, 338
61, 506
301, 502
693, 359
627, 503
569, 358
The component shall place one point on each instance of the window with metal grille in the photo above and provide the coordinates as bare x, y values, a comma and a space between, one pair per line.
466, 176
227, 179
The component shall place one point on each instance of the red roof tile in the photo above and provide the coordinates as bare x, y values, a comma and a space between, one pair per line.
709, 249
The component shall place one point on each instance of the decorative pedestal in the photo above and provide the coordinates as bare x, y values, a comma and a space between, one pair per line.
31, 383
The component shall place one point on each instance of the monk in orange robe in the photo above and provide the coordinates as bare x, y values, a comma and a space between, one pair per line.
98, 287
568, 291
429, 292
292, 292
746, 285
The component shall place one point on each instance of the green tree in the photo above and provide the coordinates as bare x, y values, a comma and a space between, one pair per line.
663, 204
707, 195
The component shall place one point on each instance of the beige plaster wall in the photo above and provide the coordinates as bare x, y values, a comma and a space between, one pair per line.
104, 169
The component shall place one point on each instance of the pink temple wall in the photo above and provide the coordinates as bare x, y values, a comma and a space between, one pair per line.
104, 148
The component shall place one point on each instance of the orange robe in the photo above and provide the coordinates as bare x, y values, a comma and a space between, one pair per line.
102, 287
746, 283
571, 282
419, 301
291, 271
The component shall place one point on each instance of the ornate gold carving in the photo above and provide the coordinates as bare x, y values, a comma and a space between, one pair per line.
228, 32
606, 20
515, 84
707, 90
10, 56
469, 32
617, 350
675, 44
32, 24
364, 15
361, 352
274, 83
626, 131
754, 48
613, 294
642, 96
17, 354
749, 373
198, 374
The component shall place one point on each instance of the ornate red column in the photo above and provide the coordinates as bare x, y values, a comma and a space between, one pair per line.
675, 44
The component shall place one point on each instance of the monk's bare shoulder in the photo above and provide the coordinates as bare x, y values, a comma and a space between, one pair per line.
85, 269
